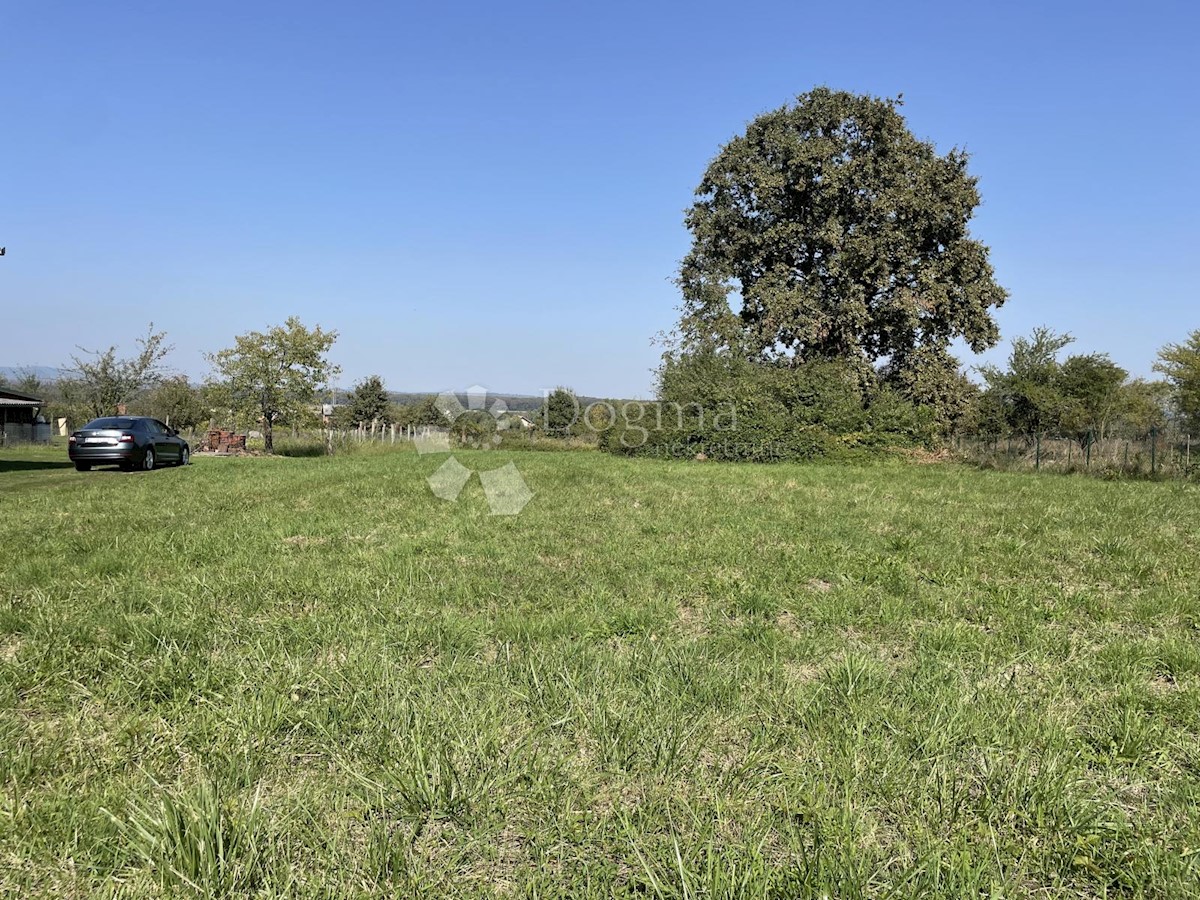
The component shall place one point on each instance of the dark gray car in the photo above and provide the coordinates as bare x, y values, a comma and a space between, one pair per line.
129, 442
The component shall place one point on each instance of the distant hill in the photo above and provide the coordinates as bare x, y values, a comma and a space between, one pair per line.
514, 402
46, 373
43, 373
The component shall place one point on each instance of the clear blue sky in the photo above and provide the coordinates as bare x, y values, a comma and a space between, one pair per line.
493, 192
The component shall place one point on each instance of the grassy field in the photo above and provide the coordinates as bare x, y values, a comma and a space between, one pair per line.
310, 677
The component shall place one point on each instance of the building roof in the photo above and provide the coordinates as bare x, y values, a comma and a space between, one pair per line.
12, 398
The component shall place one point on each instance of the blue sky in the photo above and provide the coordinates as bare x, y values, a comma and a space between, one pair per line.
493, 192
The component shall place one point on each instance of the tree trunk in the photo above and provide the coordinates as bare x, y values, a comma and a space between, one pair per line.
268, 435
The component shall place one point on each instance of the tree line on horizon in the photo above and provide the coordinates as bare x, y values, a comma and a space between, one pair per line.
281, 376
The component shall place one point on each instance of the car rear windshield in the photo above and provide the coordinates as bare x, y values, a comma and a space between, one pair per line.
116, 423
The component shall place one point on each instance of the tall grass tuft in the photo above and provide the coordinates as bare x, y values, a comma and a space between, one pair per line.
197, 840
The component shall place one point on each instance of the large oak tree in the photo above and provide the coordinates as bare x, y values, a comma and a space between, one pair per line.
828, 231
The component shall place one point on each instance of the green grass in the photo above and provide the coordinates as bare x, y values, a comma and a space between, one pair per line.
310, 677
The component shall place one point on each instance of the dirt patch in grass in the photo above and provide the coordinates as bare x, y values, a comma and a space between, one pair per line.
10, 648
691, 621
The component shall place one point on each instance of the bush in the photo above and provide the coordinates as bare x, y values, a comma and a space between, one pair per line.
732, 409
754, 441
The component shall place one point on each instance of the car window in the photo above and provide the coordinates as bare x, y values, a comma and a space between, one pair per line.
122, 423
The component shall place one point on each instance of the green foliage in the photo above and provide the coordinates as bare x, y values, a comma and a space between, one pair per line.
104, 381
419, 414
1093, 390
474, 428
369, 403
1144, 408
176, 402
342, 418
932, 380
1181, 364
560, 411
1026, 397
275, 376
843, 236
727, 407
1088, 396
221, 408
753, 440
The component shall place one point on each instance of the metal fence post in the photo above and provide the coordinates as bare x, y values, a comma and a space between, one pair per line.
1153, 450
1089, 449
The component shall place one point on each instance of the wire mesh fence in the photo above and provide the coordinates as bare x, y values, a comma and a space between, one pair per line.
1162, 453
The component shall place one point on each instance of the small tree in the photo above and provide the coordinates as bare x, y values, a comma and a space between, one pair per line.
369, 402
1144, 406
1027, 396
105, 381
423, 412
1093, 389
176, 402
1181, 364
276, 374
560, 411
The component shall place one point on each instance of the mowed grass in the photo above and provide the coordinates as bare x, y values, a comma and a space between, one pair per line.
311, 677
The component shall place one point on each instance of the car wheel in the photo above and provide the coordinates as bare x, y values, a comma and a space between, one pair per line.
148, 460
185, 457
83, 467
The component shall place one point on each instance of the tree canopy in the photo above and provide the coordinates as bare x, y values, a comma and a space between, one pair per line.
276, 374
560, 411
422, 413
1181, 364
101, 380
1087, 395
177, 403
369, 402
842, 235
